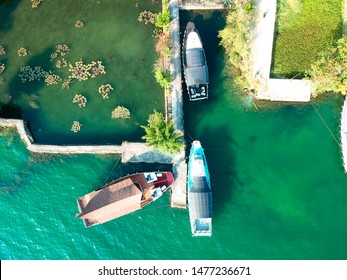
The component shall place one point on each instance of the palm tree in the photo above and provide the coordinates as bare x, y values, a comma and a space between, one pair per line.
161, 134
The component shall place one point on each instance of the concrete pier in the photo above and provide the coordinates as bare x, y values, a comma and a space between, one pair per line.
201, 4
179, 196
262, 37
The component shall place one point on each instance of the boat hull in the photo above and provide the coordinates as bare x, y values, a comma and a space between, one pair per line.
199, 192
195, 68
122, 196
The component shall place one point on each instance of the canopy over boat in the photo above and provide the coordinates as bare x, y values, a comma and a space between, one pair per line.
122, 196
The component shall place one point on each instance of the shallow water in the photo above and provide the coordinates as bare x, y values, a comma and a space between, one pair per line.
111, 34
279, 190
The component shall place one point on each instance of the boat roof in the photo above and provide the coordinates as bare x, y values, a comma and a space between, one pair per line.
193, 40
195, 58
197, 75
200, 202
112, 202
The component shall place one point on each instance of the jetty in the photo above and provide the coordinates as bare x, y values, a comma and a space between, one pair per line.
262, 38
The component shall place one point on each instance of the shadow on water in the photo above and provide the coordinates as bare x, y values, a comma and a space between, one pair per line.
220, 160
19, 88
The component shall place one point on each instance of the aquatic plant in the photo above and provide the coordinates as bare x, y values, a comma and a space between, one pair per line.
22, 52
147, 17
76, 126
120, 112
62, 49
105, 90
80, 99
53, 55
2, 50
52, 79
61, 63
2, 67
82, 72
96, 68
66, 84
27, 73
161, 134
79, 24
35, 3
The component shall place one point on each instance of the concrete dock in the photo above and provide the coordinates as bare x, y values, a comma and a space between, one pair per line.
261, 43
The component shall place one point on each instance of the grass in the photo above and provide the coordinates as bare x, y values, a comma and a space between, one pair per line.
304, 28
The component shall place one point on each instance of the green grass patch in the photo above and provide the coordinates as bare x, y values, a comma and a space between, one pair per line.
304, 28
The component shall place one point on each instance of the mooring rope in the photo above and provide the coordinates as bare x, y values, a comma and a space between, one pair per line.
191, 138
145, 210
112, 170
320, 116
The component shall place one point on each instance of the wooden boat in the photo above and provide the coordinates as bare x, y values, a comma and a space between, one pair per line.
194, 64
199, 192
123, 196
343, 132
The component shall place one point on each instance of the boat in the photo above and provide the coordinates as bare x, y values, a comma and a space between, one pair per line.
199, 192
122, 196
343, 132
194, 64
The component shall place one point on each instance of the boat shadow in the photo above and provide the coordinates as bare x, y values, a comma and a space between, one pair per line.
217, 144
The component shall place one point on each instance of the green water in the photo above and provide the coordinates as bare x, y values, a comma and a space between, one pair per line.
279, 190
111, 34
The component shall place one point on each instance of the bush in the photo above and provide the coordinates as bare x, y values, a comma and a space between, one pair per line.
329, 71
163, 78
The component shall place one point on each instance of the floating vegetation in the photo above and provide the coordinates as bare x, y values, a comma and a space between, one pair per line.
2, 50
52, 79
79, 24
35, 3
147, 17
66, 84
120, 112
2, 67
97, 69
22, 52
54, 55
27, 73
82, 72
63, 49
61, 63
105, 90
76, 126
80, 99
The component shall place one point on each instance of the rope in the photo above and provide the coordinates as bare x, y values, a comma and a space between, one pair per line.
189, 135
145, 210
314, 107
111, 171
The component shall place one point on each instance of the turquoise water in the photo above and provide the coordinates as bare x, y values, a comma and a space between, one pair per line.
279, 190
